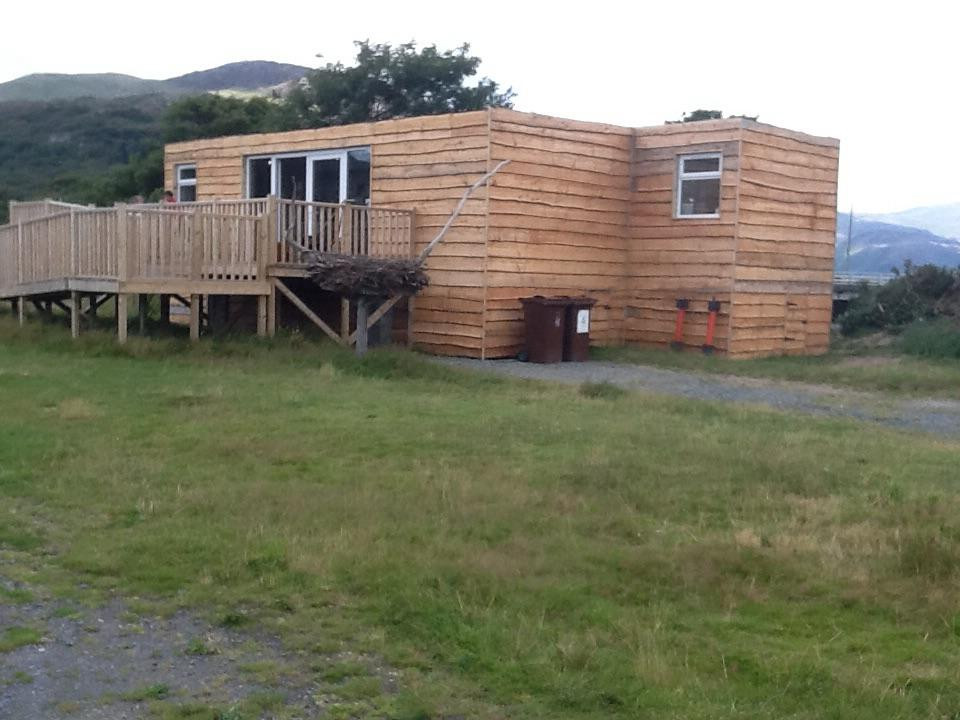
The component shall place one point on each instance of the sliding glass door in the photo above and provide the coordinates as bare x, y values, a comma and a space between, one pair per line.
327, 176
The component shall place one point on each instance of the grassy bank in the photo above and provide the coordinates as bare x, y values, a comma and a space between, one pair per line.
515, 550
850, 363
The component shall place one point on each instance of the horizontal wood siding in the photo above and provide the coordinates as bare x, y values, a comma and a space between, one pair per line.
420, 163
672, 258
785, 243
557, 217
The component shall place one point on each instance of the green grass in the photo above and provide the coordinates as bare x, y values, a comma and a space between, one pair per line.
17, 636
850, 364
513, 549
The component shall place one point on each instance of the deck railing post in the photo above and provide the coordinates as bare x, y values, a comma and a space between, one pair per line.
19, 253
123, 269
196, 248
74, 246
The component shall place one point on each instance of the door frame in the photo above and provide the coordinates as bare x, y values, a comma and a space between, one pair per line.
309, 156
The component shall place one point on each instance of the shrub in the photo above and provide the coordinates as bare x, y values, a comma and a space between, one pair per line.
918, 293
938, 338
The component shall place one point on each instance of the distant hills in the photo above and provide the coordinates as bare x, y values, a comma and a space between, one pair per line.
256, 75
939, 219
878, 247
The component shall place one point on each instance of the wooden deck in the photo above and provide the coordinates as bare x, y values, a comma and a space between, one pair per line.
60, 253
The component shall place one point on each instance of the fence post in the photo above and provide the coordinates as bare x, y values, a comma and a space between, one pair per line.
196, 248
123, 269
19, 253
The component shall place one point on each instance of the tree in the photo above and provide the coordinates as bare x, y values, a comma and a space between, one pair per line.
702, 115
392, 81
203, 116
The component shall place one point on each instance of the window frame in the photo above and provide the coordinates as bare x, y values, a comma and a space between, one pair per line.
188, 182
310, 155
682, 175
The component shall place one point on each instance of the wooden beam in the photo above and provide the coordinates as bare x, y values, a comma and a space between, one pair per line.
372, 319
345, 319
74, 314
272, 310
165, 309
262, 315
121, 318
59, 304
142, 307
301, 306
362, 326
20, 310
410, 305
195, 317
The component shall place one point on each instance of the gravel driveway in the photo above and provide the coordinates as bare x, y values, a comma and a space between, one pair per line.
941, 417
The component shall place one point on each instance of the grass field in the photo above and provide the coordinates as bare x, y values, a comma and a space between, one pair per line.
513, 549
850, 363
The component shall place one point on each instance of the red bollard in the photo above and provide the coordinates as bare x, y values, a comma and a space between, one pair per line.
714, 307
682, 305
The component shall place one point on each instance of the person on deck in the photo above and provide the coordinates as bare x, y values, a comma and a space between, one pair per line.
168, 197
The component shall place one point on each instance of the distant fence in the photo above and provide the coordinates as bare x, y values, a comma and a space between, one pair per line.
847, 279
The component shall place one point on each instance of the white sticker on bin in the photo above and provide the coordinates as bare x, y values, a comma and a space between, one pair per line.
583, 321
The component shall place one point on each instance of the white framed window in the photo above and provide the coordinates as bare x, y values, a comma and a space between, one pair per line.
186, 183
329, 176
698, 185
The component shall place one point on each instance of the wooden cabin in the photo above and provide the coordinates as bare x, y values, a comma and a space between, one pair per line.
729, 214
639, 218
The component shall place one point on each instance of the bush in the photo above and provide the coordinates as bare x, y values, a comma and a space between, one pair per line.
932, 338
918, 293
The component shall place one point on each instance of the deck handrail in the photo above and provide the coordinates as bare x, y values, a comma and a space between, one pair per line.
223, 240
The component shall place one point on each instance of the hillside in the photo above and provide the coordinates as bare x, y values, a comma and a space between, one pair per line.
939, 219
239, 76
250, 75
880, 246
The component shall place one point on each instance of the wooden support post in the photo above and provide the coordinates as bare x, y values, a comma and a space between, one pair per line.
165, 309
195, 317
142, 304
345, 319
410, 321
262, 315
272, 310
361, 326
74, 314
121, 318
20, 309
94, 306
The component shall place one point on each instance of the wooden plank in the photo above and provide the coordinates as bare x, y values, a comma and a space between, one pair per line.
302, 307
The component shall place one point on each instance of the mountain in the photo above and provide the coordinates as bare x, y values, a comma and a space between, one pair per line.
251, 75
239, 76
939, 219
878, 247
56, 86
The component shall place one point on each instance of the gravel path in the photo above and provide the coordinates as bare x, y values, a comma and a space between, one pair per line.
940, 417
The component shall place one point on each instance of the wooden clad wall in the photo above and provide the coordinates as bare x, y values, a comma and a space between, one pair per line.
671, 258
421, 163
785, 242
557, 222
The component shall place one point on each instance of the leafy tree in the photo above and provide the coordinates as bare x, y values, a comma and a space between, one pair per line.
204, 116
392, 81
702, 115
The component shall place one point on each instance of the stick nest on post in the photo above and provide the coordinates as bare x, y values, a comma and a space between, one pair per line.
358, 275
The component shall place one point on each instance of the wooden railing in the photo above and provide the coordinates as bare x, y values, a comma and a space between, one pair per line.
223, 240
348, 229
36, 209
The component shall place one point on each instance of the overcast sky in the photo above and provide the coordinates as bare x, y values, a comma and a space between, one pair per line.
881, 77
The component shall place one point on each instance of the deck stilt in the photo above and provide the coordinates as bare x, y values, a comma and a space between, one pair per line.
121, 318
74, 314
361, 326
142, 306
195, 317
272, 311
262, 315
20, 310
165, 309
345, 319
410, 321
